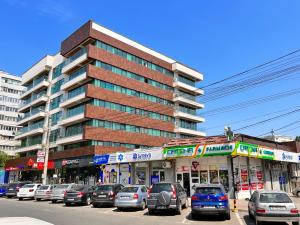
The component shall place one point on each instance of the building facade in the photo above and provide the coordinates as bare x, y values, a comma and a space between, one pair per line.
10, 92
103, 93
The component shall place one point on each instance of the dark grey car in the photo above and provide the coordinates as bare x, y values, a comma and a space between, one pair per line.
13, 188
105, 194
164, 196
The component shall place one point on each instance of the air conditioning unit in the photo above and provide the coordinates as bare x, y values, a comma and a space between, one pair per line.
166, 165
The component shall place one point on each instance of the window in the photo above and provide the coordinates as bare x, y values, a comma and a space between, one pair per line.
57, 71
55, 118
188, 124
56, 87
55, 102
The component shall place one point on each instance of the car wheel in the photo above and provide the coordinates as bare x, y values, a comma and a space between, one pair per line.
120, 208
179, 209
38, 199
20, 199
53, 201
88, 201
250, 215
150, 211
295, 223
95, 205
8, 197
227, 216
194, 216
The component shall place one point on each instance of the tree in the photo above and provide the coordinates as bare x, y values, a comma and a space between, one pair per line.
3, 158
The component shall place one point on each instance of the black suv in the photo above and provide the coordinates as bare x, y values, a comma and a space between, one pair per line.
166, 196
105, 194
13, 188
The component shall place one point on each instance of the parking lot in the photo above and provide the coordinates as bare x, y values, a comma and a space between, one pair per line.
59, 214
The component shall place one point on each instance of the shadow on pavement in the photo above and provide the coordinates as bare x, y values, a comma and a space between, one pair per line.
205, 217
163, 213
250, 221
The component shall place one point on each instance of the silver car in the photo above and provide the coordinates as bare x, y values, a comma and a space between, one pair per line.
59, 190
134, 196
43, 192
272, 206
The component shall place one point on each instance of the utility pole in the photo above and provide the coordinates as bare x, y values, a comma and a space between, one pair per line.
46, 149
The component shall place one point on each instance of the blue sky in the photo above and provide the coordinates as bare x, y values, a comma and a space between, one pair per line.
219, 38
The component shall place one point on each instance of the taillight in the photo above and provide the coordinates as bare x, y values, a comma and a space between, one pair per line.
223, 198
48, 192
260, 210
94, 194
173, 192
149, 191
294, 210
17, 189
111, 193
194, 198
31, 190
135, 196
80, 194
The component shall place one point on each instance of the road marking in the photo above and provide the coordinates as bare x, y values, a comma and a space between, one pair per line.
241, 222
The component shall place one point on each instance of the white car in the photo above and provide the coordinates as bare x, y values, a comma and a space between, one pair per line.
27, 191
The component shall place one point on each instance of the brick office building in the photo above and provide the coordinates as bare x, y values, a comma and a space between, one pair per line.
103, 93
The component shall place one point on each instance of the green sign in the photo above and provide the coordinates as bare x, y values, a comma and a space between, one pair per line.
266, 153
217, 150
245, 149
180, 151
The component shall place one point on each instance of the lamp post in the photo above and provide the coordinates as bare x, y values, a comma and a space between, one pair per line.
46, 149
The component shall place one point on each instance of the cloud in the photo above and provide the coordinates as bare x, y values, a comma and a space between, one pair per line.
59, 9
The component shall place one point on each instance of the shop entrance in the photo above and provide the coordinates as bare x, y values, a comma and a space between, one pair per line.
159, 175
184, 180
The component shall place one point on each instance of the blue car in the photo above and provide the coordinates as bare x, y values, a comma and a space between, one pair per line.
210, 199
3, 189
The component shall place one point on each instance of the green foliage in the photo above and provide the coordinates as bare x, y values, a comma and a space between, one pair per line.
298, 138
3, 158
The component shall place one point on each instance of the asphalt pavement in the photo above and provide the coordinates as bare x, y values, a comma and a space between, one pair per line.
58, 214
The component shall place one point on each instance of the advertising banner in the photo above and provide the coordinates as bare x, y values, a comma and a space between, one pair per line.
217, 150
245, 149
266, 153
285, 156
182, 151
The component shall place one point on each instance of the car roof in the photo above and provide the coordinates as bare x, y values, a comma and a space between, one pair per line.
209, 185
270, 192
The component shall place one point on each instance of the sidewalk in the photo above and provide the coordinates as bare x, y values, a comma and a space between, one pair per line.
241, 204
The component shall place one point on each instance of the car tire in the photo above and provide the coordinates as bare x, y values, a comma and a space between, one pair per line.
38, 199
8, 197
20, 199
53, 201
295, 223
227, 216
194, 216
88, 201
250, 215
95, 205
120, 208
151, 211
179, 209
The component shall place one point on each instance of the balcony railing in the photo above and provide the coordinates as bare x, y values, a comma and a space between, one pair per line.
187, 96
34, 97
74, 131
75, 92
186, 81
36, 82
31, 127
185, 110
75, 56
75, 74
32, 112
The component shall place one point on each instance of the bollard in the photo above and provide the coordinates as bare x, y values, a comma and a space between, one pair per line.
234, 206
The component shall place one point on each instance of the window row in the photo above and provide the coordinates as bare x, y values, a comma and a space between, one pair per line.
55, 102
188, 124
9, 99
115, 144
187, 81
8, 109
56, 87
131, 110
12, 91
129, 128
7, 147
133, 58
131, 92
55, 118
9, 128
10, 81
131, 75
8, 118
57, 71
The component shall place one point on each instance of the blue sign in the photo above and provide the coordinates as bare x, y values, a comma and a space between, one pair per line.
141, 156
2, 176
282, 180
101, 159
154, 179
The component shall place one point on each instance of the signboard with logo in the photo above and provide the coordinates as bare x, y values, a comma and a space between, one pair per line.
182, 151
40, 156
245, 149
217, 150
286, 156
266, 153
101, 159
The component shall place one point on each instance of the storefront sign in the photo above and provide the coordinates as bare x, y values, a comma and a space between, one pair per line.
265, 153
101, 159
245, 149
183, 151
69, 162
286, 156
217, 150
139, 155
40, 156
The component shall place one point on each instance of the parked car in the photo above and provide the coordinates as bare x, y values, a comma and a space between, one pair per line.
43, 192
134, 196
105, 194
162, 196
27, 191
296, 192
210, 199
3, 189
13, 188
272, 206
59, 190
79, 194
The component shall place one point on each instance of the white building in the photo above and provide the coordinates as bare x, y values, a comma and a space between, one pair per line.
10, 91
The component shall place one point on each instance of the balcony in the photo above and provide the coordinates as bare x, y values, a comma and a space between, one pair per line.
188, 116
181, 130
36, 85
31, 130
177, 67
74, 97
35, 114
186, 87
34, 100
70, 139
72, 119
29, 148
75, 60
187, 100
75, 79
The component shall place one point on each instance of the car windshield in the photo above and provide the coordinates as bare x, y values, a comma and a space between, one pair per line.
45, 187
12, 185
61, 186
28, 186
130, 189
105, 188
78, 188
274, 198
157, 188
208, 190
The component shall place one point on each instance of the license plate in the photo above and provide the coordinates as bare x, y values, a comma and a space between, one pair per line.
124, 197
102, 196
70, 199
277, 208
11, 189
161, 207
209, 207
